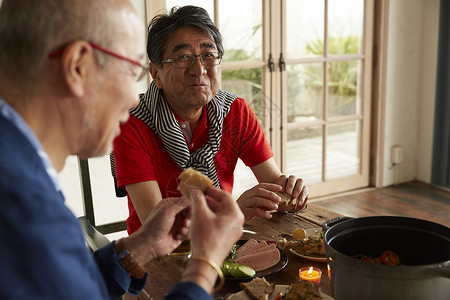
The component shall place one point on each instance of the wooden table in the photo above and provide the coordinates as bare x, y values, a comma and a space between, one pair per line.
166, 271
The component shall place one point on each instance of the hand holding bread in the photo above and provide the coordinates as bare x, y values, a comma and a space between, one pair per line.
192, 179
294, 193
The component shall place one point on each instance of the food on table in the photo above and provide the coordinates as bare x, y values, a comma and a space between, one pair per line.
287, 203
244, 261
307, 246
301, 290
259, 256
299, 234
237, 271
192, 179
388, 257
258, 288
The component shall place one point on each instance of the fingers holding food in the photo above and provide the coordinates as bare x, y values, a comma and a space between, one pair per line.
192, 179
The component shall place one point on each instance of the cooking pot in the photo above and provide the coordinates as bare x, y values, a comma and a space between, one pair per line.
422, 246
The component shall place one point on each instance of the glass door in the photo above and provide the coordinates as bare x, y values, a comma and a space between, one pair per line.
326, 92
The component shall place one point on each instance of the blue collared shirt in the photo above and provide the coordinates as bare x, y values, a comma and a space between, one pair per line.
9, 113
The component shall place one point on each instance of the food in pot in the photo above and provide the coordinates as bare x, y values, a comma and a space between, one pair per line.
192, 179
258, 288
388, 257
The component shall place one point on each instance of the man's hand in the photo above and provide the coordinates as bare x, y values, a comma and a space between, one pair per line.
296, 188
257, 201
164, 230
217, 223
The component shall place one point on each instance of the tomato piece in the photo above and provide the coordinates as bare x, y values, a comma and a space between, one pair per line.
389, 258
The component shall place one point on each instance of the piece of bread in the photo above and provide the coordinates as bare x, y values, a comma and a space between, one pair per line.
287, 203
258, 288
192, 179
303, 289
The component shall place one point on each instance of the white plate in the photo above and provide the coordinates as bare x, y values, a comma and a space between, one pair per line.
243, 296
313, 232
312, 257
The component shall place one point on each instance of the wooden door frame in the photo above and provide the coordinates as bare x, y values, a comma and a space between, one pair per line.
380, 43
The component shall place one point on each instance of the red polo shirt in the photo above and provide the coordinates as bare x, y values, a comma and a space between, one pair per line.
140, 154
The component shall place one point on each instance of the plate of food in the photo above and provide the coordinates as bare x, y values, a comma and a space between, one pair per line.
260, 288
249, 259
308, 244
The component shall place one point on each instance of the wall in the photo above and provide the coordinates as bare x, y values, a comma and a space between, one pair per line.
430, 37
410, 88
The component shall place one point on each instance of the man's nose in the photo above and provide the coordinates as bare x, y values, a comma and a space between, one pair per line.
197, 67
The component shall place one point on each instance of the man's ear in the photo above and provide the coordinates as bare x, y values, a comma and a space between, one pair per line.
77, 60
154, 71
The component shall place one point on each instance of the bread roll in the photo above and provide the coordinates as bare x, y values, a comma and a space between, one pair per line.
192, 179
258, 288
287, 202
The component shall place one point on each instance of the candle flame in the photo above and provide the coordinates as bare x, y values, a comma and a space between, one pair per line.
310, 271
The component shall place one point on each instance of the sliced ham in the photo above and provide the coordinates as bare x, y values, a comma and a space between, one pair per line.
252, 248
261, 260
247, 246
262, 249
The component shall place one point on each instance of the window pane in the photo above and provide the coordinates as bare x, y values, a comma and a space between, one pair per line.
304, 28
343, 151
240, 23
304, 153
305, 92
247, 84
344, 88
345, 27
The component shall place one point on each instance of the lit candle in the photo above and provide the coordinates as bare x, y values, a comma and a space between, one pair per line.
311, 274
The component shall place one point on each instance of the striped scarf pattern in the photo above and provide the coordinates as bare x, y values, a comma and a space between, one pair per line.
154, 111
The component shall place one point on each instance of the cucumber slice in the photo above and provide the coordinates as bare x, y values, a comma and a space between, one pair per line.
237, 271
226, 268
246, 271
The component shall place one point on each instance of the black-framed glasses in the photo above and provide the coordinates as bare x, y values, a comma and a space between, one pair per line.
187, 60
138, 76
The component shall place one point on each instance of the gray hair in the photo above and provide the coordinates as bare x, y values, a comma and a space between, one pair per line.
30, 30
163, 26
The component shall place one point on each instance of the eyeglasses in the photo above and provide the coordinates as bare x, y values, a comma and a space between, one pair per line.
138, 76
187, 60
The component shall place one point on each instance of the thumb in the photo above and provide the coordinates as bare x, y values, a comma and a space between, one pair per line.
199, 205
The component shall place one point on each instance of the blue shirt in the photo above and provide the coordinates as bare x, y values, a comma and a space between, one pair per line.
43, 253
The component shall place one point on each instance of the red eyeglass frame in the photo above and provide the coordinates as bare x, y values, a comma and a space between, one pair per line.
60, 51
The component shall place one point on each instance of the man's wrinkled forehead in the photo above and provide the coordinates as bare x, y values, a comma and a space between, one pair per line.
185, 46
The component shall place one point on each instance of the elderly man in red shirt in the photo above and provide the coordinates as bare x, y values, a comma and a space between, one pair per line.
185, 120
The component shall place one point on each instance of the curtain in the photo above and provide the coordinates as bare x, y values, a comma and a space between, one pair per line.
441, 142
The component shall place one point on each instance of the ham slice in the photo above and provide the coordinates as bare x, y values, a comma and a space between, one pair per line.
261, 260
252, 248
247, 246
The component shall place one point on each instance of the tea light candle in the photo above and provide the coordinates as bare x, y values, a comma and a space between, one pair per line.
311, 274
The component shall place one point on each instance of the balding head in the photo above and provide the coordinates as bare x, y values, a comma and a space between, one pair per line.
30, 29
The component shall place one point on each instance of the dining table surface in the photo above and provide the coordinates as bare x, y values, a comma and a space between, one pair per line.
164, 272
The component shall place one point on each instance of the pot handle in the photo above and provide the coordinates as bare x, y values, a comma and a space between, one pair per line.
331, 222
442, 270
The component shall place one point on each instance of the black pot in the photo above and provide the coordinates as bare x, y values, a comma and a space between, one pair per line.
422, 246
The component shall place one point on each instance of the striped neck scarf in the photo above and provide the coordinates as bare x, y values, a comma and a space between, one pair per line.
154, 111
